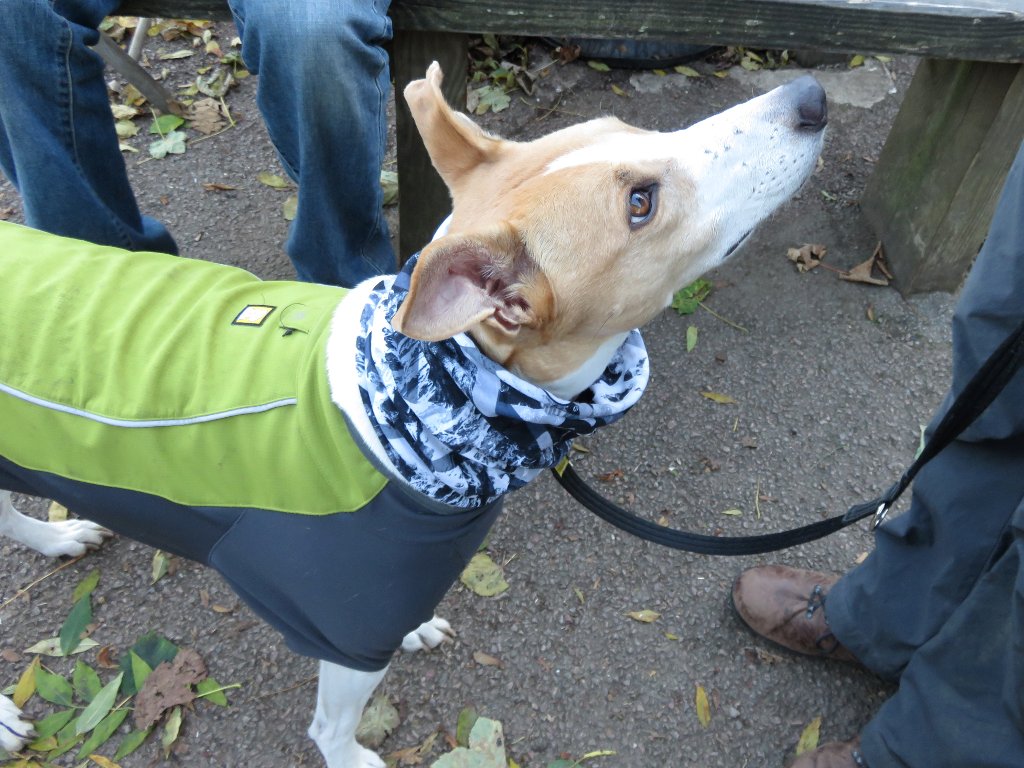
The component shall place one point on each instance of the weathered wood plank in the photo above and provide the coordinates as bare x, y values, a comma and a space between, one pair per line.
177, 9
937, 180
978, 30
423, 198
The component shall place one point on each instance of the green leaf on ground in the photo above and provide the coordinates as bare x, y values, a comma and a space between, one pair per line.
86, 585
464, 726
132, 741
273, 180
290, 208
484, 576
172, 143
703, 706
51, 647
486, 748
152, 649
103, 731
74, 625
100, 706
379, 719
166, 124
86, 682
50, 724
54, 688
686, 300
809, 738
212, 691
389, 183
171, 730
489, 97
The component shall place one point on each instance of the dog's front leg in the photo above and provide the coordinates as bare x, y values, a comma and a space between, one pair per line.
67, 537
341, 696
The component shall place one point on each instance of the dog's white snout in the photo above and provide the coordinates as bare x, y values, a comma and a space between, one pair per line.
809, 102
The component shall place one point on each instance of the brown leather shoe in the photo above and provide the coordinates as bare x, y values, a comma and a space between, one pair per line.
786, 605
838, 754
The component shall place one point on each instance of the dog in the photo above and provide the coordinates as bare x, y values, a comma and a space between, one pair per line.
289, 434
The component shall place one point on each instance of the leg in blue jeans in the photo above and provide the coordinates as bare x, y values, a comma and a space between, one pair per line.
940, 603
323, 87
57, 141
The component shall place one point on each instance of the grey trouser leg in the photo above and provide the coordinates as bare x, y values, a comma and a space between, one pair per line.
939, 605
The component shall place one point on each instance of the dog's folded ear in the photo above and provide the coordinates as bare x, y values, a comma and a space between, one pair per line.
463, 280
454, 142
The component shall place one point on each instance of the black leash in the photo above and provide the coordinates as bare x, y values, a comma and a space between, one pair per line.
979, 393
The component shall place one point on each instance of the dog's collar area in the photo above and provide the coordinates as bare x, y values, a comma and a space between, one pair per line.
457, 426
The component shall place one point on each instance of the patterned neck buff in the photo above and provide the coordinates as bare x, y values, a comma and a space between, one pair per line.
460, 428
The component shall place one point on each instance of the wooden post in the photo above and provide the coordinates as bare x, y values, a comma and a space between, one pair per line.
938, 178
423, 199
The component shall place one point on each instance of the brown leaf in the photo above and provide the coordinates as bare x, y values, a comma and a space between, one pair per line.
216, 186
169, 685
807, 256
206, 116
862, 273
105, 658
11, 655
608, 477
487, 660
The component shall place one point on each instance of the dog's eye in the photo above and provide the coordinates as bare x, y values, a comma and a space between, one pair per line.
642, 202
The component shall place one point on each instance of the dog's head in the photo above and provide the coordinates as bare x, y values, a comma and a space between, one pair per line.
560, 245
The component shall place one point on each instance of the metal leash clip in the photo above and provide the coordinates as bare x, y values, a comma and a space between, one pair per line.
880, 514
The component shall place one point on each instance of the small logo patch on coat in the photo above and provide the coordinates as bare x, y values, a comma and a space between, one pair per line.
254, 314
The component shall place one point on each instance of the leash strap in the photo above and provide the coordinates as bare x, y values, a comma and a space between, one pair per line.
986, 384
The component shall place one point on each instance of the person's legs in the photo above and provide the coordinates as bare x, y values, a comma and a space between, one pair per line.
57, 141
927, 560
938, 605
323, 88
961, 697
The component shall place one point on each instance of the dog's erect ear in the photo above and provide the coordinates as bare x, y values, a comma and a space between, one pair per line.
462, 280
455, 143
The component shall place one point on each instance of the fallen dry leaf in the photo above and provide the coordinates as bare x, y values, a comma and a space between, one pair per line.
809, 738
862, 273
207, 116
169, 685
645, 616
703, 706
487, 660
807, 256
56, 512
718, 397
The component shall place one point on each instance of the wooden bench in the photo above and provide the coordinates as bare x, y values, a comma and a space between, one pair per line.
937, 180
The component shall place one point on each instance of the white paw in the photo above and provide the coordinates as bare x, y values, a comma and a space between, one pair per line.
367, 758
14, 732
428, 635
71, 538
355, 756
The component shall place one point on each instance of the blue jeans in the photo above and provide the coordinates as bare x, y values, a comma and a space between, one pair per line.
939, 605
322, 88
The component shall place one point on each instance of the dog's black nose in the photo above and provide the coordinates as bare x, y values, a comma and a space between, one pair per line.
811, 107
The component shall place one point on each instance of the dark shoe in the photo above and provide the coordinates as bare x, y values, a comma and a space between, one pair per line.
786, 606
843, 754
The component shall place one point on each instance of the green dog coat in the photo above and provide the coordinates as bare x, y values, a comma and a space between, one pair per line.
187, 404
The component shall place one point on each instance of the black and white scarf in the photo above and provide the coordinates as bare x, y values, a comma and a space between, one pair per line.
460, 428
